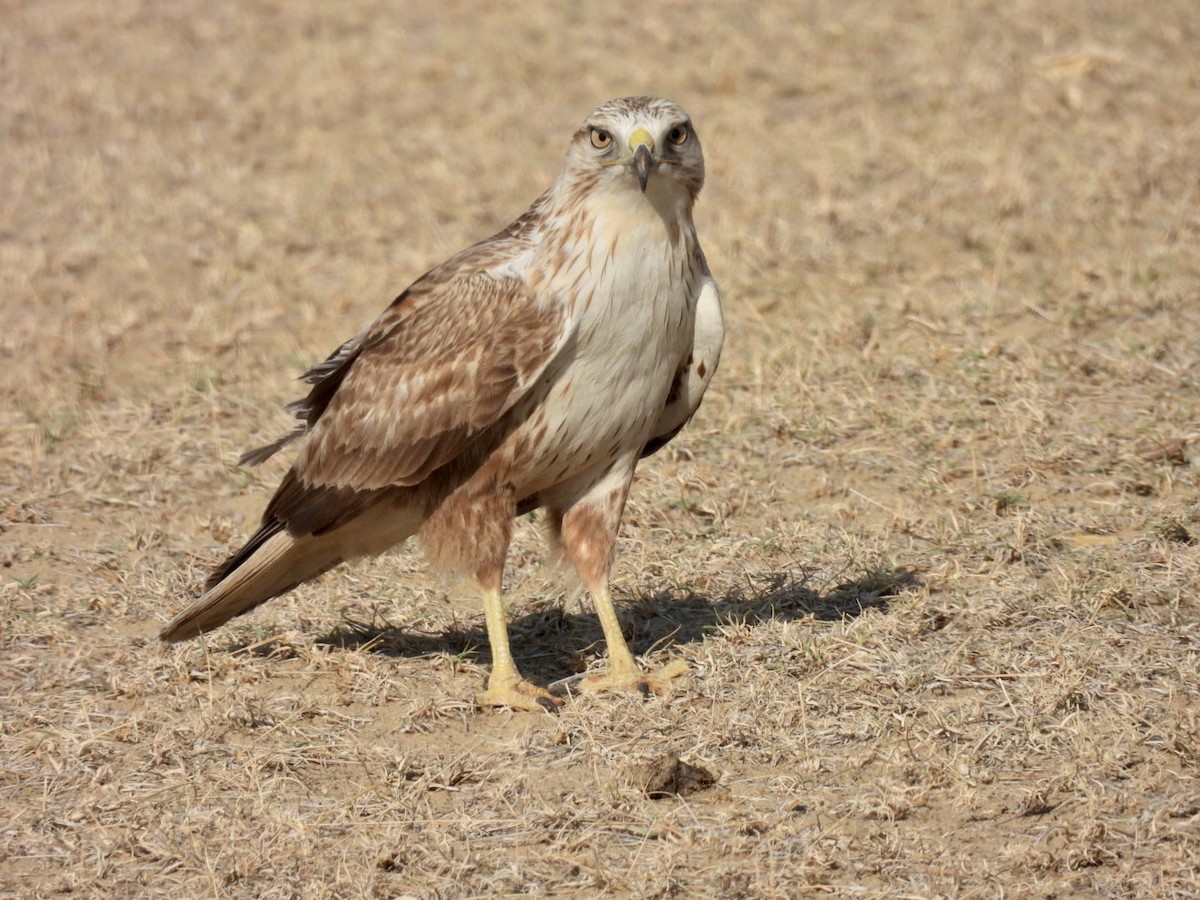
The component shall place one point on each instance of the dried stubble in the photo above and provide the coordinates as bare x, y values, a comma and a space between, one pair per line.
930, 547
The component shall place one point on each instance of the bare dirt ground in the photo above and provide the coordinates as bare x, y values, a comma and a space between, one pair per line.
931, 549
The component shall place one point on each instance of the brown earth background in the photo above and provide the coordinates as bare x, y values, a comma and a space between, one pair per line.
930, 548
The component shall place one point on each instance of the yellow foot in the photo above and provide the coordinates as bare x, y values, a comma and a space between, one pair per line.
516, 693
632, 679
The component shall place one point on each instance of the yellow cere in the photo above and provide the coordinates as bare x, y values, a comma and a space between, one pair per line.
639, 137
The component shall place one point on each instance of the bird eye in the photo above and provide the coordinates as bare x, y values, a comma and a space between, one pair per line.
601, 138
678, 135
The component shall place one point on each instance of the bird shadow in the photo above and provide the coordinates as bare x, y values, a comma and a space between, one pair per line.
550, 644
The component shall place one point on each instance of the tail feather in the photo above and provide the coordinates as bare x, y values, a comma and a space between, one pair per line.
272, 563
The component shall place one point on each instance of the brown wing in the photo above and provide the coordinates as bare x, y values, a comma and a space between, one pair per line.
444, 362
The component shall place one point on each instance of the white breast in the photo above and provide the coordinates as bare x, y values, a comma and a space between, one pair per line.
634, 291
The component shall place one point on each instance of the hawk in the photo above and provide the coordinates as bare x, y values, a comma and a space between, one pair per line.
532, 370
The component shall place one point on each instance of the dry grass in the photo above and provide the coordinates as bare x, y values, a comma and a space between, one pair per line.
932, 548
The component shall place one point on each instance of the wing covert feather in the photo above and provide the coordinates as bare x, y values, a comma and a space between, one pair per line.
442, 364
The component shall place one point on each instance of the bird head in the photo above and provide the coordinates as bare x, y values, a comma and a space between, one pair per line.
640, 144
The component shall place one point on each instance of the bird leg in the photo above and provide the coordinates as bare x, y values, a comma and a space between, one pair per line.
588, 532
469, 531
506, 687
624, 674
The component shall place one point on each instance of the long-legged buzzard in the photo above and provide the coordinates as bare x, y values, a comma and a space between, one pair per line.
531, 370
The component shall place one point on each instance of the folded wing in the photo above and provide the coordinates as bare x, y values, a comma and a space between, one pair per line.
693, 377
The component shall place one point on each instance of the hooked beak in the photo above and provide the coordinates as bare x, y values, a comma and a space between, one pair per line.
641, 144
643, 162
